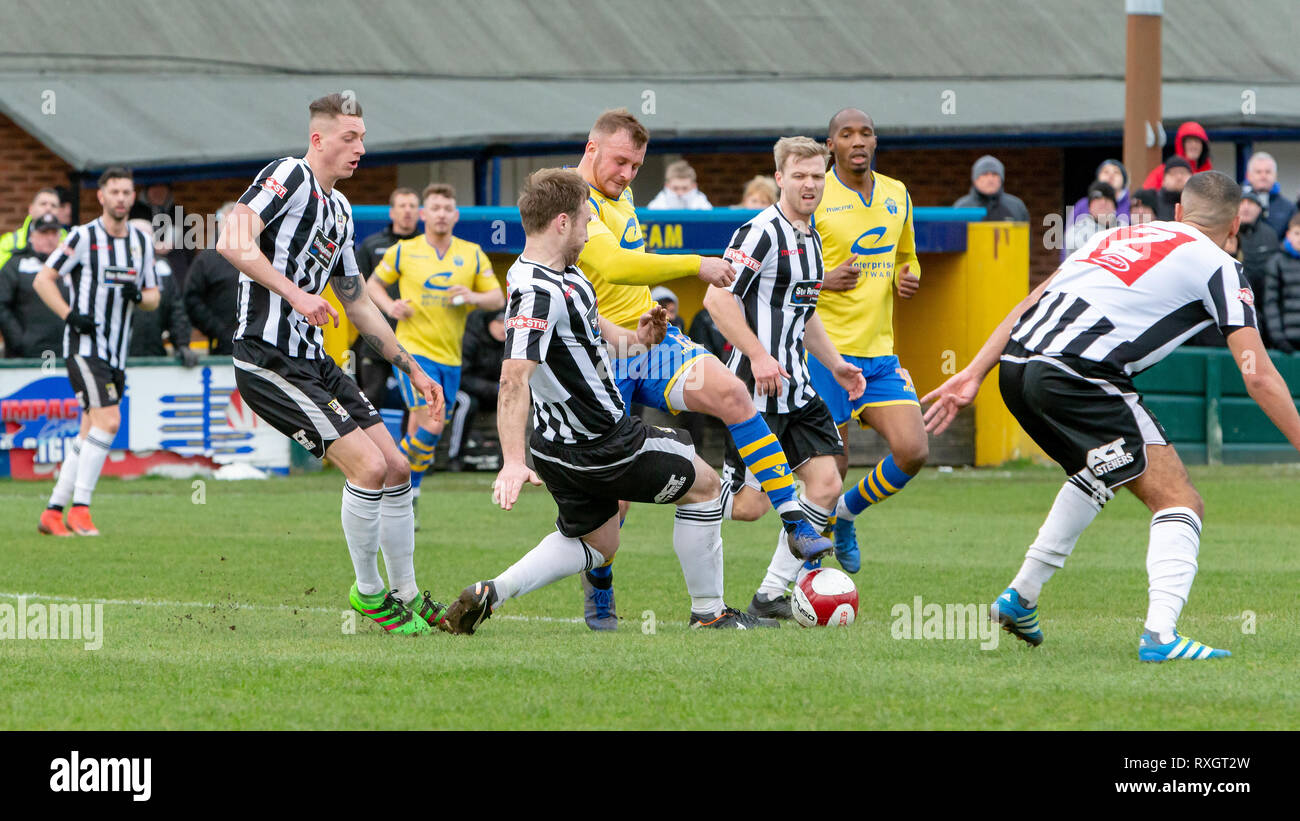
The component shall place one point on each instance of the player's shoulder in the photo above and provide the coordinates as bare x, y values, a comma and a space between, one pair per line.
467, 249
526, 275
341, 200
888, 183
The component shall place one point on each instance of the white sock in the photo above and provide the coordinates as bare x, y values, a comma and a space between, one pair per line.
1171, 567
697, 538
726, 499
62, 493
1070, 515
361, 511
91, 461
555, 557
397, 541
784, 567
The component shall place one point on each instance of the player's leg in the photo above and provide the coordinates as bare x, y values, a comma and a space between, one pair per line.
105, 385
420, 443
706, 386
586, 536
1177, 513
51, 522
821, 488
837, 402
462, 413
891, 408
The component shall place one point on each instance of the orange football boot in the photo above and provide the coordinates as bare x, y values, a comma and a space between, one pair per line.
79, 521
52, 523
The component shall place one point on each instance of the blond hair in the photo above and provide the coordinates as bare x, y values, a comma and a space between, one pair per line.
680, 170
763, 185
801, 148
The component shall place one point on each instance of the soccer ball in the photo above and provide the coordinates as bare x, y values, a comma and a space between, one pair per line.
825, 597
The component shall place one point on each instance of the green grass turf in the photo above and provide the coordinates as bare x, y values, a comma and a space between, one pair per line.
246, 598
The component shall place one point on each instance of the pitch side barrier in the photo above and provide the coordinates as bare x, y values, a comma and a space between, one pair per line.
972, 273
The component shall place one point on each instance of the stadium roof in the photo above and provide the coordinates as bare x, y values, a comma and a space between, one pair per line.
210, 84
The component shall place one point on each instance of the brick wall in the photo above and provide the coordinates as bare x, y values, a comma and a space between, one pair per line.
933, 177
26, 166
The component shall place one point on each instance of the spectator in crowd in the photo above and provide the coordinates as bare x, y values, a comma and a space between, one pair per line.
668, 299
46, 201
1257, 242
372, 370
1100, 214
155, 199
1142, 207
1261, 178
480, 372
680, 190
64, 211
211, 295
1177, 172
760, 192
1114, 174
27, 324
151, 331
1282, 292
987, 180
1192, 144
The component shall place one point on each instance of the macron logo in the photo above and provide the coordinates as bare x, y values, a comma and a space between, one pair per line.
77, 774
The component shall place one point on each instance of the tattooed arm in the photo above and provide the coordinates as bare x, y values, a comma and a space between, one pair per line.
374, 329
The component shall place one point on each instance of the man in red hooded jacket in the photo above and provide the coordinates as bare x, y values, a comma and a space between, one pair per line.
1192, 144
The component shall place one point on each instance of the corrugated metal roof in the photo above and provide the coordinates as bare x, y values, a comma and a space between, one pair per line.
210, 84
633, 39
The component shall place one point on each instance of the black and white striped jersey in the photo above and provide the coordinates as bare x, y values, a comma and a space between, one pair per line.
551, 319
1131, 295
778, 279
95, 265
308, 238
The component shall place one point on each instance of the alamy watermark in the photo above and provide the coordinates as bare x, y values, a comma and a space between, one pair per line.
28, 621
954, 622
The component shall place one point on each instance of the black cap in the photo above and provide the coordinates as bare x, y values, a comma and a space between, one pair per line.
1253, 197
46, 222
1177, 162
1101, 191
1147, 197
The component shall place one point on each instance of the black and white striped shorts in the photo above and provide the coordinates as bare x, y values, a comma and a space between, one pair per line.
309, 400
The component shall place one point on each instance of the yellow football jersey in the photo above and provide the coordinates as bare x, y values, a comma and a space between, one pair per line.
616, 262
879, 230
424, 277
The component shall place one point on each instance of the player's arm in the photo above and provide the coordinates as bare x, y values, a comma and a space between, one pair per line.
512, 425
961, 388
819, 344
730, 319
374, 329
145, 293
1264, 384
46, 282
238, 244
907, 267
621, 266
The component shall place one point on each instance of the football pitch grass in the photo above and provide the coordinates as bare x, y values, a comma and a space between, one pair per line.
231, 614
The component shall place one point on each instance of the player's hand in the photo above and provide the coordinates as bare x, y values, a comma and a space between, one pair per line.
459, 295
432, 393
850, 378
81, 323
131, 292
401, 309
653, 326
768, 375
950, 397
314, 309
187, 356
505, 490
717, 271
843, 277
908, 283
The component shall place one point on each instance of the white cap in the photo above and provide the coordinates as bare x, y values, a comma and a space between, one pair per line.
661, 293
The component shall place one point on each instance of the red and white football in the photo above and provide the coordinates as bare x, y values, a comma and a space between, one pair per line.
826, 597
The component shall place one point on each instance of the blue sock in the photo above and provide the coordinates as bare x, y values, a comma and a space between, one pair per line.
602, 578
883, 481
765, 459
